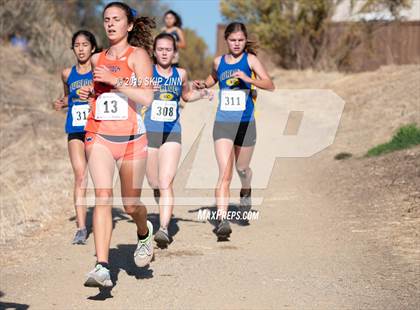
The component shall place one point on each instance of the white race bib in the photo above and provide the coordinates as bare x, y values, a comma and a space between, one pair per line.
233, 100
111, 106
163, 111
79, 114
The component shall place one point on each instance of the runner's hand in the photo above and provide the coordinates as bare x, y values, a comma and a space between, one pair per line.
59, 104
85, 92
104, 75
198, 84
241, 75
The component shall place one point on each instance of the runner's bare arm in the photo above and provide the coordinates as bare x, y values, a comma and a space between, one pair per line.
62, 102
263, 80
189, 94
211, 79
182, 43
143, 68
87, 91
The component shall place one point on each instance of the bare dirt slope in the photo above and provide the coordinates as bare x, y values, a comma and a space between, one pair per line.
331, 234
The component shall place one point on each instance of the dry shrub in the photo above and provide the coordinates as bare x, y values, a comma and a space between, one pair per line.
49, 40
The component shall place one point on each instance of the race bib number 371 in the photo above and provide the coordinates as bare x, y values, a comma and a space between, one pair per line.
233, 100
111, 106
79, 114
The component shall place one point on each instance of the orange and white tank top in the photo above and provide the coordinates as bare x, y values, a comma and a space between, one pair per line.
112, 113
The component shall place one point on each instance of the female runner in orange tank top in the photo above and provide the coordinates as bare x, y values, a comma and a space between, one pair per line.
115, 132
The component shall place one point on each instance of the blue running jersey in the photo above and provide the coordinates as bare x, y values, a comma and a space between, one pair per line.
163, 113
78, 109
235, 98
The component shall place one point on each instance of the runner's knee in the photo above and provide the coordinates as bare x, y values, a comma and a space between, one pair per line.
132, 209
154, 184
80, 179
224, 182
103, 196
165, 182
243, 172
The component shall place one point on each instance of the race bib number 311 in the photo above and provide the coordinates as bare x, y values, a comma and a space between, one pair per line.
163, 111
111, 106
233, 100
79, 114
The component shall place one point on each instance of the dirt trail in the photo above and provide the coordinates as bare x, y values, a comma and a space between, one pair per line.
303, 252
311, 248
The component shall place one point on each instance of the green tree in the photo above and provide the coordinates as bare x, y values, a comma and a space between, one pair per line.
298, 30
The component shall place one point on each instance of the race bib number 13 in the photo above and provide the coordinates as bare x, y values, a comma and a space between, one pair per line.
233, 100
111, 106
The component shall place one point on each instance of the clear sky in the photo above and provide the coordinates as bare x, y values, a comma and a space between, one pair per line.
199, 15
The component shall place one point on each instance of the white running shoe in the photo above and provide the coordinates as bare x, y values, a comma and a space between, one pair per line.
99, 277
144, 252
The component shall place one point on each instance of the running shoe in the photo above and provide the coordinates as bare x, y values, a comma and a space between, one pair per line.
223, 230
144, 252
245, 204
99, 277
80, 236
162, 238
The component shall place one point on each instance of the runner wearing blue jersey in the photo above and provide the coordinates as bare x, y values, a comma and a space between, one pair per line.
238, 73
83, 46
164, 130
173, 26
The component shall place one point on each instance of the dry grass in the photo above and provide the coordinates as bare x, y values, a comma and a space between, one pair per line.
35, 176
49, 39
384, 191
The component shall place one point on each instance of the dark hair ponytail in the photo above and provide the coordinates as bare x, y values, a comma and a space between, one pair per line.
89, 36
141, 34
251, 46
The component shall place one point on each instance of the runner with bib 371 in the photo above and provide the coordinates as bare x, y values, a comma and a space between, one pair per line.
83, 45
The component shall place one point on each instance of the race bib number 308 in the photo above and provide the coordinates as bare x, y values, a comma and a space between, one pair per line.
111, 106
163, 111
79, 114
233, 100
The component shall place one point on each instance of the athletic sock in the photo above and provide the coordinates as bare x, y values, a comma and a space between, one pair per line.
105, 265
245, 192
143, 237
